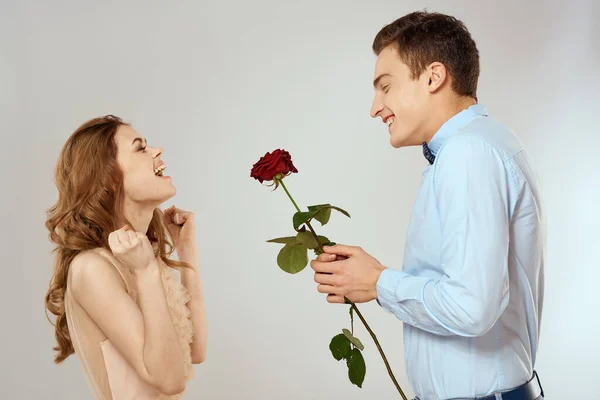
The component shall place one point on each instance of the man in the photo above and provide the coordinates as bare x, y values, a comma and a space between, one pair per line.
470, 292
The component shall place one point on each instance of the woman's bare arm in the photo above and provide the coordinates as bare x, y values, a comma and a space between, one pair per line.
145, 336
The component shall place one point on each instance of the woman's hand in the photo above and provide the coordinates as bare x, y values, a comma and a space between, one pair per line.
132, 249
181, 226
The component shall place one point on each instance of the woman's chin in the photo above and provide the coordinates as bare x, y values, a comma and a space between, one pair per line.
167, 194
171, 193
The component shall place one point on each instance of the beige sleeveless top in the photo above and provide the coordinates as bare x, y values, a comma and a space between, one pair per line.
109, 375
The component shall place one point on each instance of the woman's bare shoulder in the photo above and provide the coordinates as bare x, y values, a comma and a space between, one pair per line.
92, 269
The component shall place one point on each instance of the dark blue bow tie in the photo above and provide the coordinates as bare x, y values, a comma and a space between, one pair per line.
427, 153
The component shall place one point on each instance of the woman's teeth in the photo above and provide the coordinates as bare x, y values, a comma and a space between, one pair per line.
390, 121
159, 170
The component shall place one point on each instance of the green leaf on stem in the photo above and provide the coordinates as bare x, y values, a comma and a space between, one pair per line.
330, 207
356, 367
354, 340
323, 216
318, 207
323, 240
323, 212
308, 239
283, 240
293, 258
340, 210
340, 347
302, 217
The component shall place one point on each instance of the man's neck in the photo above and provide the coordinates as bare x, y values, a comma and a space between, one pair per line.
447, 112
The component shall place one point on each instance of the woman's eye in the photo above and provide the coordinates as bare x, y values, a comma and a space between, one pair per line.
142, 148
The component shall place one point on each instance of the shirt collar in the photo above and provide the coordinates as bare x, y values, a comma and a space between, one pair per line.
454, 124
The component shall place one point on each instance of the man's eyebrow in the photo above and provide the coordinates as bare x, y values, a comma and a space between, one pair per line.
379, 78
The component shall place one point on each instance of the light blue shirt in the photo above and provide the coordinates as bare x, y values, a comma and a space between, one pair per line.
471, 288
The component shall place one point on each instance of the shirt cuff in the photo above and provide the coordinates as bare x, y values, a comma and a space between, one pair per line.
394, 286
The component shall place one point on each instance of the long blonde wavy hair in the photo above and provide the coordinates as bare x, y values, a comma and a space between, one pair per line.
89, 208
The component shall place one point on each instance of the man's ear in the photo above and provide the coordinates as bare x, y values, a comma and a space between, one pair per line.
437, 76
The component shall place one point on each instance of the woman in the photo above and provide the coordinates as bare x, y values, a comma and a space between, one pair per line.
134, 328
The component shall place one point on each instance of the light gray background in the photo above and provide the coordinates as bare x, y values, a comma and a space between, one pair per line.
219, 83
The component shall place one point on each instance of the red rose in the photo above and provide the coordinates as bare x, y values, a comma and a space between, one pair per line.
271, 165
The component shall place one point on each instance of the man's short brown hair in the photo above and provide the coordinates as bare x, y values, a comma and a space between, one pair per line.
422, 38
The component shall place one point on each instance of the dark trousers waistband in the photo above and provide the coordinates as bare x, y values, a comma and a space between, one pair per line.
531, 390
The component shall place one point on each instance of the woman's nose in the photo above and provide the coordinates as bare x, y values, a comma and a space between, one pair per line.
157, 151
